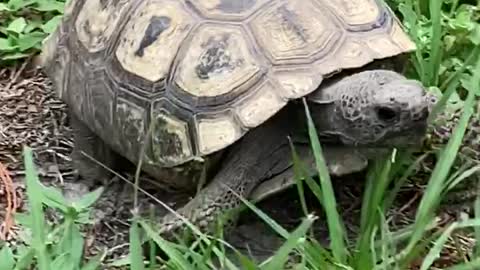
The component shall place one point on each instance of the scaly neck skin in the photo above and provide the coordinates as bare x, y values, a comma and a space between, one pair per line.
327, 123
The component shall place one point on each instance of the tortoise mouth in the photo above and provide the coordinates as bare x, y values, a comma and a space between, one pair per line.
406, 137
409, 137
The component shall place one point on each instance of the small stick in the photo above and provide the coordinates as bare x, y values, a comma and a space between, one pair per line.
11, 202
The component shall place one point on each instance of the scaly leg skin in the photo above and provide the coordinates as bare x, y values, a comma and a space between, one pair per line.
262, 153
89, 143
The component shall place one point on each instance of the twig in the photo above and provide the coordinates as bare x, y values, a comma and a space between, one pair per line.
11, 202
16, 75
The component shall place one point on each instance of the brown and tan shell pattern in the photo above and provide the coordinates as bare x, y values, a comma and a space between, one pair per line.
196, 75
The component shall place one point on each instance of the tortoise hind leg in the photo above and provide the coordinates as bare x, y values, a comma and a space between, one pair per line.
85, 141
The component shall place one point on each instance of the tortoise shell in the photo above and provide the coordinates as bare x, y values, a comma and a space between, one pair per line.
196, 75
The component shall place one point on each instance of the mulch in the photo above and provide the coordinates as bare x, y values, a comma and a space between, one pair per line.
31, 115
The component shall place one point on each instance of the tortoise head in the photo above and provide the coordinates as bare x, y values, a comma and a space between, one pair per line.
372, 108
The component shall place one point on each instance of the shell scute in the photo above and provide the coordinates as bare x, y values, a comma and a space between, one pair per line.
130, 120
97, 21
227, 9
359, 13
150, 40
101, 98
217, 61
170, 137
296, 32
203, 73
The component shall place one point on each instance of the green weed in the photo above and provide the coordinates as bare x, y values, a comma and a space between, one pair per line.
60, 247
24, 24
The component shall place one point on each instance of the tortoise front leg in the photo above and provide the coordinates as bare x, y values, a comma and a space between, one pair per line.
89, 143
205, 209
262, 153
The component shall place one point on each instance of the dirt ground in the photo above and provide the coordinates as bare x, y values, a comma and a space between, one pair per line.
31, 115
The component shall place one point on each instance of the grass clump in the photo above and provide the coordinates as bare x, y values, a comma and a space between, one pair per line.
59, 247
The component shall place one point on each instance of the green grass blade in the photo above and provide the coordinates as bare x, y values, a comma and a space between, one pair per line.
94, 263
436, 43
305, 175
453, 8
476, 210
450, 85
315, 254
246, 262
268, 220
411, 18
475, 263
176, 257
387, 247
390, 196
472, 265
377, 181
456, 75
88, 199
63, 262
317, 257
465, 175
298, 178
7, 261
72, 242
136, 255
26, 260
36, 204
152, 246
281, 256
434, 252
335, 225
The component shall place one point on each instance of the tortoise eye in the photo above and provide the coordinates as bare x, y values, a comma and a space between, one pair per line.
386, 114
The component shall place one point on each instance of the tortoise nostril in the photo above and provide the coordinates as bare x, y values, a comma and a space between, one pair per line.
424, 113
386, 114
421, 115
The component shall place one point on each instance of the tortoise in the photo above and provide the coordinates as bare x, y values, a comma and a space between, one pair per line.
214, 91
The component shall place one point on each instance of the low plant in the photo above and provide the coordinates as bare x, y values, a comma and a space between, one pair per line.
24, 24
